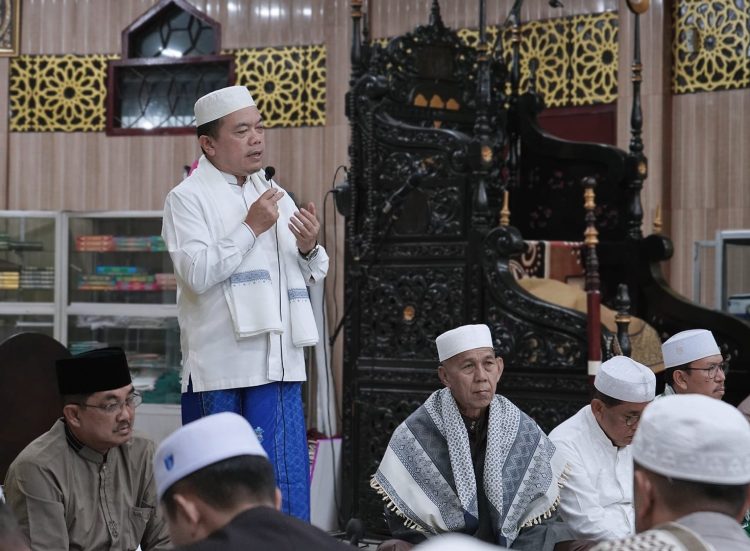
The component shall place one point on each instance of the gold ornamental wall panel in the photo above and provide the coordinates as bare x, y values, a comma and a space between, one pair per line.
710, 45
68, 93
594, 58
573, 59
288, 84
58, 93
545, 55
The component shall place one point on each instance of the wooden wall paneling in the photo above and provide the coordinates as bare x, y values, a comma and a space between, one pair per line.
711, 172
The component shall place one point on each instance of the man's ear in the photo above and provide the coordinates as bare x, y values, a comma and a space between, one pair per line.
679, 379
207, 145
745, 507
277, 500
597, 406
643, 502
70, 412
187, 508
500, 366
443, 377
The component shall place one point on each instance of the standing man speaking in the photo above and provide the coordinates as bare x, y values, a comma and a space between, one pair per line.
243, 256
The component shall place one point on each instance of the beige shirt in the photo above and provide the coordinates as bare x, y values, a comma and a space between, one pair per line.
68, 496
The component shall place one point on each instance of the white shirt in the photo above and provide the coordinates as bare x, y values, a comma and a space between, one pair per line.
597, 500
211, 354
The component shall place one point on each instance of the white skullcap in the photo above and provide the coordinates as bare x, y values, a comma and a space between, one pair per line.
201, 443
625, 379
694, 437
451, 542
219, 103
466, 337
688, 346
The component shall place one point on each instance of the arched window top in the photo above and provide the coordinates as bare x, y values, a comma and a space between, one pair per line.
172, 28
170, 58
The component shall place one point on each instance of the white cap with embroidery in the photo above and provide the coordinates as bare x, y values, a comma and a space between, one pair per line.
461, 339
201, 443
220, 103
625, 379
694, 437
688, 346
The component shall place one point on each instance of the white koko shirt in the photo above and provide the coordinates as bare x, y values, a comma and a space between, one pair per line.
597, 500
211, 354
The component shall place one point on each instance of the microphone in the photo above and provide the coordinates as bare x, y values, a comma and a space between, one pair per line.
270, 171
400, 193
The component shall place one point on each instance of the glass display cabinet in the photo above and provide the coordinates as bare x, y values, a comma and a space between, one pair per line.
29, 262
733, 272
119, 289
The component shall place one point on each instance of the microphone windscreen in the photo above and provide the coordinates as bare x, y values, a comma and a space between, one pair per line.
270, 171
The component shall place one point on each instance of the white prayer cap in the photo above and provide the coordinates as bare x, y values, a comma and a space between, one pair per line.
694, 437
625, 379
688, 346
219, 103
451, 542
466, 337
201, 443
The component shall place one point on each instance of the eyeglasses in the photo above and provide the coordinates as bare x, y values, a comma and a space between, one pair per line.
631, 420
114, 408
711, 371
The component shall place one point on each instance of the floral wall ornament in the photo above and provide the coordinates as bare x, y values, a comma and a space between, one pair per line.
710, 45
58, 93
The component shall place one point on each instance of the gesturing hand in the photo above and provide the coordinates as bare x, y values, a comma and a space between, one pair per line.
264, 211
305, 227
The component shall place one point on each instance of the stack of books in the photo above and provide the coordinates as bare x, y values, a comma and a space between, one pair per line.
37, 278
10, 275
95, 243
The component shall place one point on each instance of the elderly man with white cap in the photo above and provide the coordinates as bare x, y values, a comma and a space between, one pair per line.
692, 477
217, 486
693, 364
470, 461
597, 500
244, 255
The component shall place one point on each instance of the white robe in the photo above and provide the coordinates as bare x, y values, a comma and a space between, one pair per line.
597, 500
211, 354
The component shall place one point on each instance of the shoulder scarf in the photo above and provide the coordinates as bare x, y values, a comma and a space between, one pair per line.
249, 291
427, 475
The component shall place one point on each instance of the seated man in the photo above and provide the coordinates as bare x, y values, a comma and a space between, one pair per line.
216, 483
470, 461
597, 500
692, 477
87, 483
694, 364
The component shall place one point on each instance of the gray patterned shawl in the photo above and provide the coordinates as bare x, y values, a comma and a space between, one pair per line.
427, 475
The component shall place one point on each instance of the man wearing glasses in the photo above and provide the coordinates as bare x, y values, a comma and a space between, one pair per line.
88, 482
694, 364
597, 500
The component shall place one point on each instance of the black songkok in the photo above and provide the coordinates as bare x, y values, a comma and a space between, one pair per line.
93, 371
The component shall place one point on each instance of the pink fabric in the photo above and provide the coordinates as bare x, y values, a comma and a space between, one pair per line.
193, 166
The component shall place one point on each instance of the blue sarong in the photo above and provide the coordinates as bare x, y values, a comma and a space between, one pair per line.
275, 412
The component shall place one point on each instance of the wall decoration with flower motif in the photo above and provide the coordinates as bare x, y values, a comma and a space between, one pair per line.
68, 93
